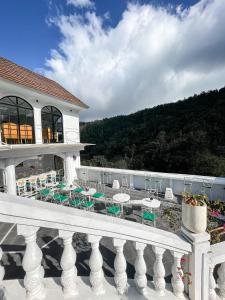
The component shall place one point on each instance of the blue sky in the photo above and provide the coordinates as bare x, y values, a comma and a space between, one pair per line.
27, 39
118, 56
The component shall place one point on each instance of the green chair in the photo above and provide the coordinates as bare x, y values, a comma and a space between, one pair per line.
98, 195
114, 211
88, 205
76, 203
62, 199
61, 186
79, 189
45, 193
148, 217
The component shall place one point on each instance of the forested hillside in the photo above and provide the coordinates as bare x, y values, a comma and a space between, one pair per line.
183, 137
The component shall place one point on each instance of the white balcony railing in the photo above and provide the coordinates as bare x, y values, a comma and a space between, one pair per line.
30, 215
213, 186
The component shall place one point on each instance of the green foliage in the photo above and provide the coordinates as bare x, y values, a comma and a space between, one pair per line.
183, 137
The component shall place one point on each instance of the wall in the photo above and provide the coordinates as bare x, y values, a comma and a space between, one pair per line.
69, 111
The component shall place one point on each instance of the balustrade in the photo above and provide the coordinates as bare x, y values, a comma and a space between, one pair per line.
68, 260
31, 263
221, 280
120, 265
140, 268
95, 264
212, 284
159, 270
177, 272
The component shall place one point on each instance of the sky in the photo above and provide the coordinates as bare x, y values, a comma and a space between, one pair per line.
119, 56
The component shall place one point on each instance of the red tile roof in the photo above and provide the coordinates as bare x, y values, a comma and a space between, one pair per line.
25, 77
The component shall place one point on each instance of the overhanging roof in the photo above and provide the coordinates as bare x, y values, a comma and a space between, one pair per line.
29, 150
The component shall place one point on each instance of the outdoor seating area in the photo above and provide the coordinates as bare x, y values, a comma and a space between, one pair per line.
142, 206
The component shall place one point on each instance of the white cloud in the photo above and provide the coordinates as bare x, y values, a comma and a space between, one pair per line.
152, 56
81, 3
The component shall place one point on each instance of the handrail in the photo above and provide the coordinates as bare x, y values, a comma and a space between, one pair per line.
24, 211
217, 253
175, 176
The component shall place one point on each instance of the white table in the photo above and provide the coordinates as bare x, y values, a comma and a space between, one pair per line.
151, 203
121, 198
89, 193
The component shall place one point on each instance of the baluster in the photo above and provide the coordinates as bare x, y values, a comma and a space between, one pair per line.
120, 266
212, 284
68, 260
140, 268
31, 263
95, 263
2, 274
159, 270
221, 280
177, 282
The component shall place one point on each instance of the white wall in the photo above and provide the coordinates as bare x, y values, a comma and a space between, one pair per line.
37, 100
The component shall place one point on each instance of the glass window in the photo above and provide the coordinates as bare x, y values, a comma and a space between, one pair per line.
52, 125
16, 121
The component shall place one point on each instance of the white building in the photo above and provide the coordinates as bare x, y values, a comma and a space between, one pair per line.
37, 117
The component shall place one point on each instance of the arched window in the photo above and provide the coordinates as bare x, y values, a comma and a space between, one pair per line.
52, 125
16, 121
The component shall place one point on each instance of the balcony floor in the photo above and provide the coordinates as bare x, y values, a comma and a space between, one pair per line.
14, 290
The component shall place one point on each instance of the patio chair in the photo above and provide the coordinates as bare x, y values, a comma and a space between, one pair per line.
21, 187
32, 184
42, 180
188, 184
46, 194
206, 189
61, 199
76, 203
114, 210
148, 217
87, 204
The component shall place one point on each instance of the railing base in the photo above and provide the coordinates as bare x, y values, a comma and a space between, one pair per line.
14, 290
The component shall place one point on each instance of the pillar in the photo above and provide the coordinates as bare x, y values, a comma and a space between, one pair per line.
37, 125
10, 177
70, 172
198, 264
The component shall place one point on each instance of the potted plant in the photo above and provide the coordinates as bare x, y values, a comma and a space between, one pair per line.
194, 212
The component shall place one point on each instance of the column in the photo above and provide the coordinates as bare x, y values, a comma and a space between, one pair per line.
70, 168
10, 177
198, 264
120, 266
177, 272
159, 270
33, 281
95, 264
140, 268
68, 260
37, 125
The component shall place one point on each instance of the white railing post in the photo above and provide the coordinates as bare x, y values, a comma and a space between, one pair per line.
31, 263
198, 264
68, 260
140, 268
177, 272
120, 266
159, 270
212, 283
2, 274
221, 280
95, 263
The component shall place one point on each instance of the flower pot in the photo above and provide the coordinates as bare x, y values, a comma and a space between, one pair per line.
194, 218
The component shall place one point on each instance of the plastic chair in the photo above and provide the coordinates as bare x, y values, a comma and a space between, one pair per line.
21, 187
188, 185
148, 216
61, 199
76, 203
114, 210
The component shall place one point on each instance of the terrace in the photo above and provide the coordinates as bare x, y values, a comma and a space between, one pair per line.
68, 230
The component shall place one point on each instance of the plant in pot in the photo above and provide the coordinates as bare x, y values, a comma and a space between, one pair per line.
194, 212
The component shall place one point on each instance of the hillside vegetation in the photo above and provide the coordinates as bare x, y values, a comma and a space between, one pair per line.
183, 137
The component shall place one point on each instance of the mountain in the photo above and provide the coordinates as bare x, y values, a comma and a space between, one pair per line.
183, 137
